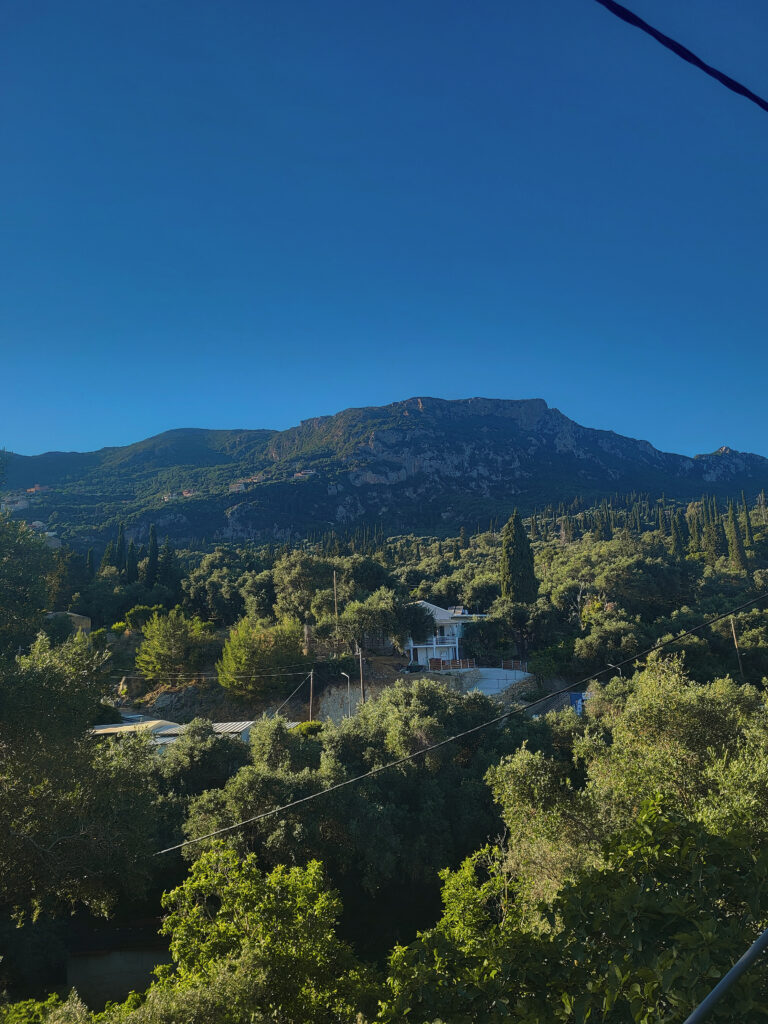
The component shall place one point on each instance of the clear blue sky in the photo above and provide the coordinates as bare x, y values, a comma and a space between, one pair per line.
243, 214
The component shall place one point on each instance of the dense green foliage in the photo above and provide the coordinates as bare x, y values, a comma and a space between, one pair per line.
605, 866
78, 825
24, 565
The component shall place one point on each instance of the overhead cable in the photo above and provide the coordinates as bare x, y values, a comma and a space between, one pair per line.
467, 732
683, 52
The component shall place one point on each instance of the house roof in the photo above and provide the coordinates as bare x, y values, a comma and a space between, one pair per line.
220, 728
443, 615
153, 725
438, 614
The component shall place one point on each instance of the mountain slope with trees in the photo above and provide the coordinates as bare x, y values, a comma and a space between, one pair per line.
421, 465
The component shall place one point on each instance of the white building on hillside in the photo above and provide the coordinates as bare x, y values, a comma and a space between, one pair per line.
445, 643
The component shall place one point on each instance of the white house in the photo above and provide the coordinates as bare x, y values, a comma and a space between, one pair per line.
445, 643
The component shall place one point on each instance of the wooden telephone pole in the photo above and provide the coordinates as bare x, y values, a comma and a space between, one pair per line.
311, 691
362, 682
736, 645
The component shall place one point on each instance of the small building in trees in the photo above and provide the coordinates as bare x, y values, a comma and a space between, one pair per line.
163, 732
445, 642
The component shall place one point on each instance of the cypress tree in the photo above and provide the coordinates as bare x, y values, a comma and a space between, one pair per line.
709, 542
694, 536
678, 547
120, 549
736, 553
90, 563
463, 542
534, 527
662, 522
749, 540
168, 574
518, 578
108, 558
151, 572
722, 540
131, 564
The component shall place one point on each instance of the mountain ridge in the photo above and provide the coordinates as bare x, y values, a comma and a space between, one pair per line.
420, 464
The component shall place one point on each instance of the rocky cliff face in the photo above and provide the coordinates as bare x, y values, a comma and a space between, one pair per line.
424, 464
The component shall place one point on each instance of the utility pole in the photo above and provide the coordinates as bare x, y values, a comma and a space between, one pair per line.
736, 645
335, 613
349, 695
362, 683
311, 691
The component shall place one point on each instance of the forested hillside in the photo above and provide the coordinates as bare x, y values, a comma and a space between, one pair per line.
422, 465
549, 867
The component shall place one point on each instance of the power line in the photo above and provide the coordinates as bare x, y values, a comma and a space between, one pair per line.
467, 732
276, 713
682, 51
207, 675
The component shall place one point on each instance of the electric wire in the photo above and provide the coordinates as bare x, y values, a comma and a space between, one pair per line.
276, 713
186, 676
467, 732
683, 52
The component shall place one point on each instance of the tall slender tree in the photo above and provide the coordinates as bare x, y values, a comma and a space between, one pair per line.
150, 577
678, 545
168, 573
131, 564
518, 577
736, 553
749, 540
120, 549
108, 558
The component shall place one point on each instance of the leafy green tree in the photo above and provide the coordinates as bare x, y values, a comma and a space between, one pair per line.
256, 652
396, 830
174, 645
641, 938
138, 616
381, 616
24, 565
200, 760
78, 822
283, 922
297, 578
518, 578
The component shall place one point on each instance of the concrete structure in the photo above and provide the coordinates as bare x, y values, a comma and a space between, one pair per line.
445, 643
79, 622
494, 681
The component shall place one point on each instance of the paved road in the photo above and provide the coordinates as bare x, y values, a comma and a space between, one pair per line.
491, 681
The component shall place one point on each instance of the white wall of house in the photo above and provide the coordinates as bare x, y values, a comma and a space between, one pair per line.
446, 641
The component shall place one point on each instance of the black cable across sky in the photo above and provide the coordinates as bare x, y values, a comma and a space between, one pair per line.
683, 52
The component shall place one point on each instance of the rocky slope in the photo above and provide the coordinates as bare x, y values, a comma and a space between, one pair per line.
423, 465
